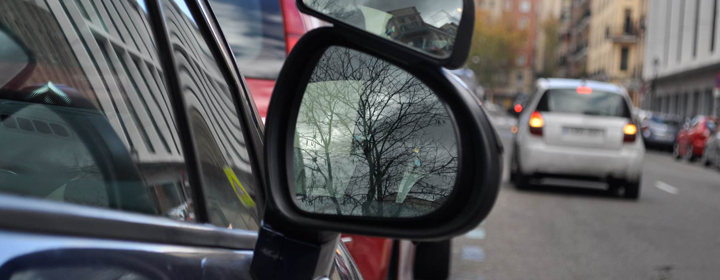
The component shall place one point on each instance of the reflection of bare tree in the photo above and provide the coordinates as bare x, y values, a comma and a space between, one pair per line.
373, 140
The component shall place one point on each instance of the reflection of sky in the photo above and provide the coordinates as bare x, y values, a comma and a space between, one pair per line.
436, 12
142, 5
183, 8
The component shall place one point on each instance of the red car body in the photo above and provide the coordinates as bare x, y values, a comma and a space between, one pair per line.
693, 135
372, 255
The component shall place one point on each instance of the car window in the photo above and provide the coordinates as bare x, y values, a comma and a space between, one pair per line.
85, 115
596, 103
230, 187
254, 30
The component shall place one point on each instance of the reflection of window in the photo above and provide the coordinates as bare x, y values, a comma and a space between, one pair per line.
520, 60
525, 6
523, 23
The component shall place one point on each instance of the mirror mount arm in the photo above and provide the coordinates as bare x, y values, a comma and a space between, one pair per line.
283, 255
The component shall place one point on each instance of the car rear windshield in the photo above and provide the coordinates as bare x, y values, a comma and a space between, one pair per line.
254, 29
596, 103
672, 122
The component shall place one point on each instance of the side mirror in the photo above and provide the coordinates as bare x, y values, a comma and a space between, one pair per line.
436, 31
361, 141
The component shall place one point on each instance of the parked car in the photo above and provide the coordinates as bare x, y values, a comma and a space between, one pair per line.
659, 131
692, 137
132, 149
578, 129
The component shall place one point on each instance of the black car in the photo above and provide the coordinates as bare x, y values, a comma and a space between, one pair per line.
659, 131
131, 148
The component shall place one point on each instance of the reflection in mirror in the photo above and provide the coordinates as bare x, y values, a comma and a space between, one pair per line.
371, 140
427, 25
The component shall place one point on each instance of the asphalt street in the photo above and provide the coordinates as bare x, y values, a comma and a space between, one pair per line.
577, 230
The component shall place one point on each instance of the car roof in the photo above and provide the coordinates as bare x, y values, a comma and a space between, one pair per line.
550, 83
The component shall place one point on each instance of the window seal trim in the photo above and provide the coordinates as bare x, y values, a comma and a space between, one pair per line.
39, 216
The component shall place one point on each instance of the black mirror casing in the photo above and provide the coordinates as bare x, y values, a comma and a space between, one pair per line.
461, 48
479, 149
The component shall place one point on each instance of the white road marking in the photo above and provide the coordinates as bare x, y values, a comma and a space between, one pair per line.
666, 187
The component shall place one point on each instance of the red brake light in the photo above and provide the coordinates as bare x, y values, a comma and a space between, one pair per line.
294, 27
629, 133
518, 108
536, 123
584, 90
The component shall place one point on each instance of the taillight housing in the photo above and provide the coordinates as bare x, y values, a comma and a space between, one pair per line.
536, 123
629, 133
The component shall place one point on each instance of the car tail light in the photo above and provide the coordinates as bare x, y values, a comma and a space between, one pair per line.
294, 27
630, 133
536, 123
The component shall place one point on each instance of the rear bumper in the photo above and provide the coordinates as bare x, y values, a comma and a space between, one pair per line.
538, 159
659, 142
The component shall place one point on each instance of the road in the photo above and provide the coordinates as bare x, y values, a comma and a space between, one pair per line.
555, 232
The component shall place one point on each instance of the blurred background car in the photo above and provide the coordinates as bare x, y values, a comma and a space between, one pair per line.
581, 130
692, 137
659, 131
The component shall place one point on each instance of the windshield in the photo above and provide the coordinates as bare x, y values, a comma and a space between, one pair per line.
596, 103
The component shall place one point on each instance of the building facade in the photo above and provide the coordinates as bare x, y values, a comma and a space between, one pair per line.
523, 15
682, 57
615, 44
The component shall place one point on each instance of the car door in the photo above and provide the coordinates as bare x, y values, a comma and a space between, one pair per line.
120, 161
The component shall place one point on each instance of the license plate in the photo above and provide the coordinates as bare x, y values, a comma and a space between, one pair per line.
584, 132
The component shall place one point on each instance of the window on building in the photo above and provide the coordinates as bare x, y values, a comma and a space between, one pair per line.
714, 26
627, 26
523, 23
680, 30
697, 26
519, 78
520, 60
607, 32
508, 5
624, 53
525, 6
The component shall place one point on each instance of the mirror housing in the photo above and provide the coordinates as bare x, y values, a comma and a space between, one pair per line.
480, 155
458, 54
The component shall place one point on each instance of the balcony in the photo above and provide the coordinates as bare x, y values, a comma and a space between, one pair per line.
623, 38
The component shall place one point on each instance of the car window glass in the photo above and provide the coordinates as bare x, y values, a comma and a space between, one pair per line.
230, 188
85, 117
254, 30
596, 103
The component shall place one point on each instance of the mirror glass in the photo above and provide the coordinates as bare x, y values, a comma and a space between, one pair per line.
427, 25
371, 140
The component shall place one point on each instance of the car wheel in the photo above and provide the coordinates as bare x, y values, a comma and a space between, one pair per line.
516, 177
632, 190
689, 154
676, 151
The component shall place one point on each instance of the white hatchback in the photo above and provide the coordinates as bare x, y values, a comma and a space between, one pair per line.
578, 129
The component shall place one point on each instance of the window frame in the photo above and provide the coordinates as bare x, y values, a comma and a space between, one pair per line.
50, 217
